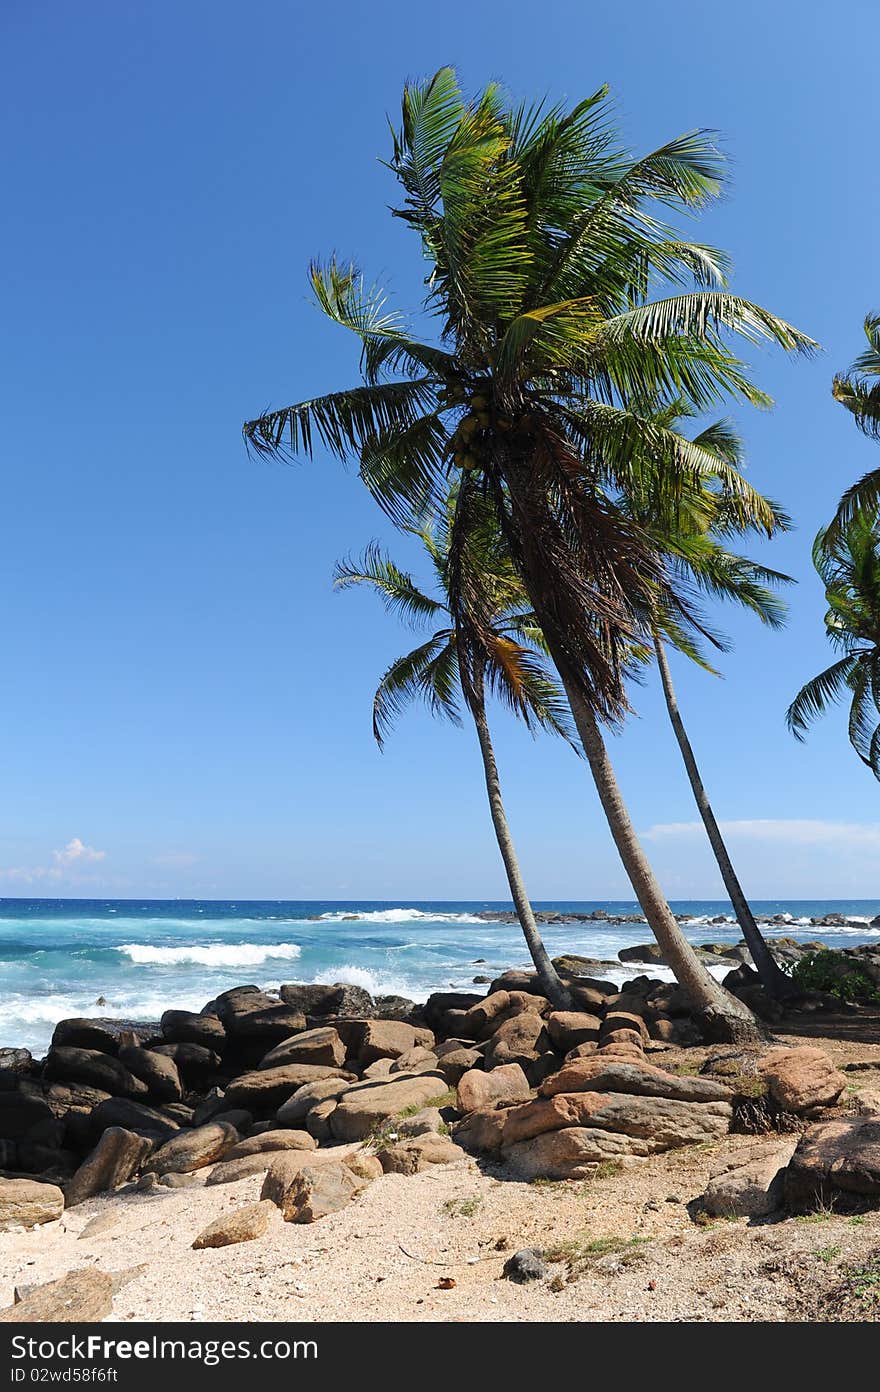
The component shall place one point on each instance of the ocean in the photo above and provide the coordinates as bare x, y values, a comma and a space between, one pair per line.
58, 957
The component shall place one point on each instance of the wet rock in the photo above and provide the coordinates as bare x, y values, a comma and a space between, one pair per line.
197, 1065
85, 1034
134, 1116
186, 1027
93, 1068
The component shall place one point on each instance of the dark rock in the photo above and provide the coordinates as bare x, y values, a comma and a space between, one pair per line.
525, 1265
197, 1065
192, 1150
834, 1160
85, 1034
133, 1116
159, 1072
93, 1068
20, 1112
186, 1027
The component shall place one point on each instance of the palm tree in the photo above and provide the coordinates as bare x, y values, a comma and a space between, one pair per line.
848, 562
692, 533
444, 668
859, 391
563, 300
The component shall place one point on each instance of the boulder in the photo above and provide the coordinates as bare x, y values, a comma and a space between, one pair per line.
79, 1297
14, 1063
440, 1003
380, 1068
340, 999
156, 1070
20, 1112
26, 1203
801, 1079
192, 1150
316, 1192
318, 1121
569, 1028
454, 1064
525, 1265
266, 1089
230, 1171
866, 1102
294, 1111
322, 1046
364, 1165
477, 1089
366, 1105
482, 1130
599, 1073
117, 1156
422, 1123
749, 1185
417, 1153
273, 1024
134, 1116
617, 1021
280, 1184
242, 1225
415, 1060
834, 1160
233, 1006
518, 1039
186, 1027
571, 1153
196, 1064
642, 952
662, 1123
85, 1034
269, 1141
390, 1039
93, 1068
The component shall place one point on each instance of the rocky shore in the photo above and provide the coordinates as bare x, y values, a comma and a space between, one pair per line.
318, 1091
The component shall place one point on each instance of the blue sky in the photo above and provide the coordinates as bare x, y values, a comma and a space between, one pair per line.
185, 705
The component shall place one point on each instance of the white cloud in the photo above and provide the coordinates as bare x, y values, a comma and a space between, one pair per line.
76, 850
75, 853
790, 832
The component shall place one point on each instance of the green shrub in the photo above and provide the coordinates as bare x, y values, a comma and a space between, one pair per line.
835, 973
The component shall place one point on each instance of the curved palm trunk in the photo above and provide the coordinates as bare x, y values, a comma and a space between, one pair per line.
548, 977
771, 974
724, 1018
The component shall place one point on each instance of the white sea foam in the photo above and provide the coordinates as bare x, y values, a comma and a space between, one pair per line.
398, 916
210, 954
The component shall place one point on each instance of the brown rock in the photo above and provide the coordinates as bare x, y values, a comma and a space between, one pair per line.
415, 1060
750, 1185
519, 1039
570, 1153
364, 1105
477, 1089
294, 1111
663, 1123
274, 1023
242, 1225
117, 1156
801, 1079
321, 1046
26, 1203
230, 1171
267, 1088
79, 1297
834, 1159
419, 1153
599, 1073
617, 1019
192, 1150
318, 1121
185, 1027
85, 1034
481, 1130
271, 1140
390, 1039
364, 1165
569, 1028
456, 1062
303, 1202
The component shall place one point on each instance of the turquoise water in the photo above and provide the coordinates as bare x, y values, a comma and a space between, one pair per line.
58, 956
